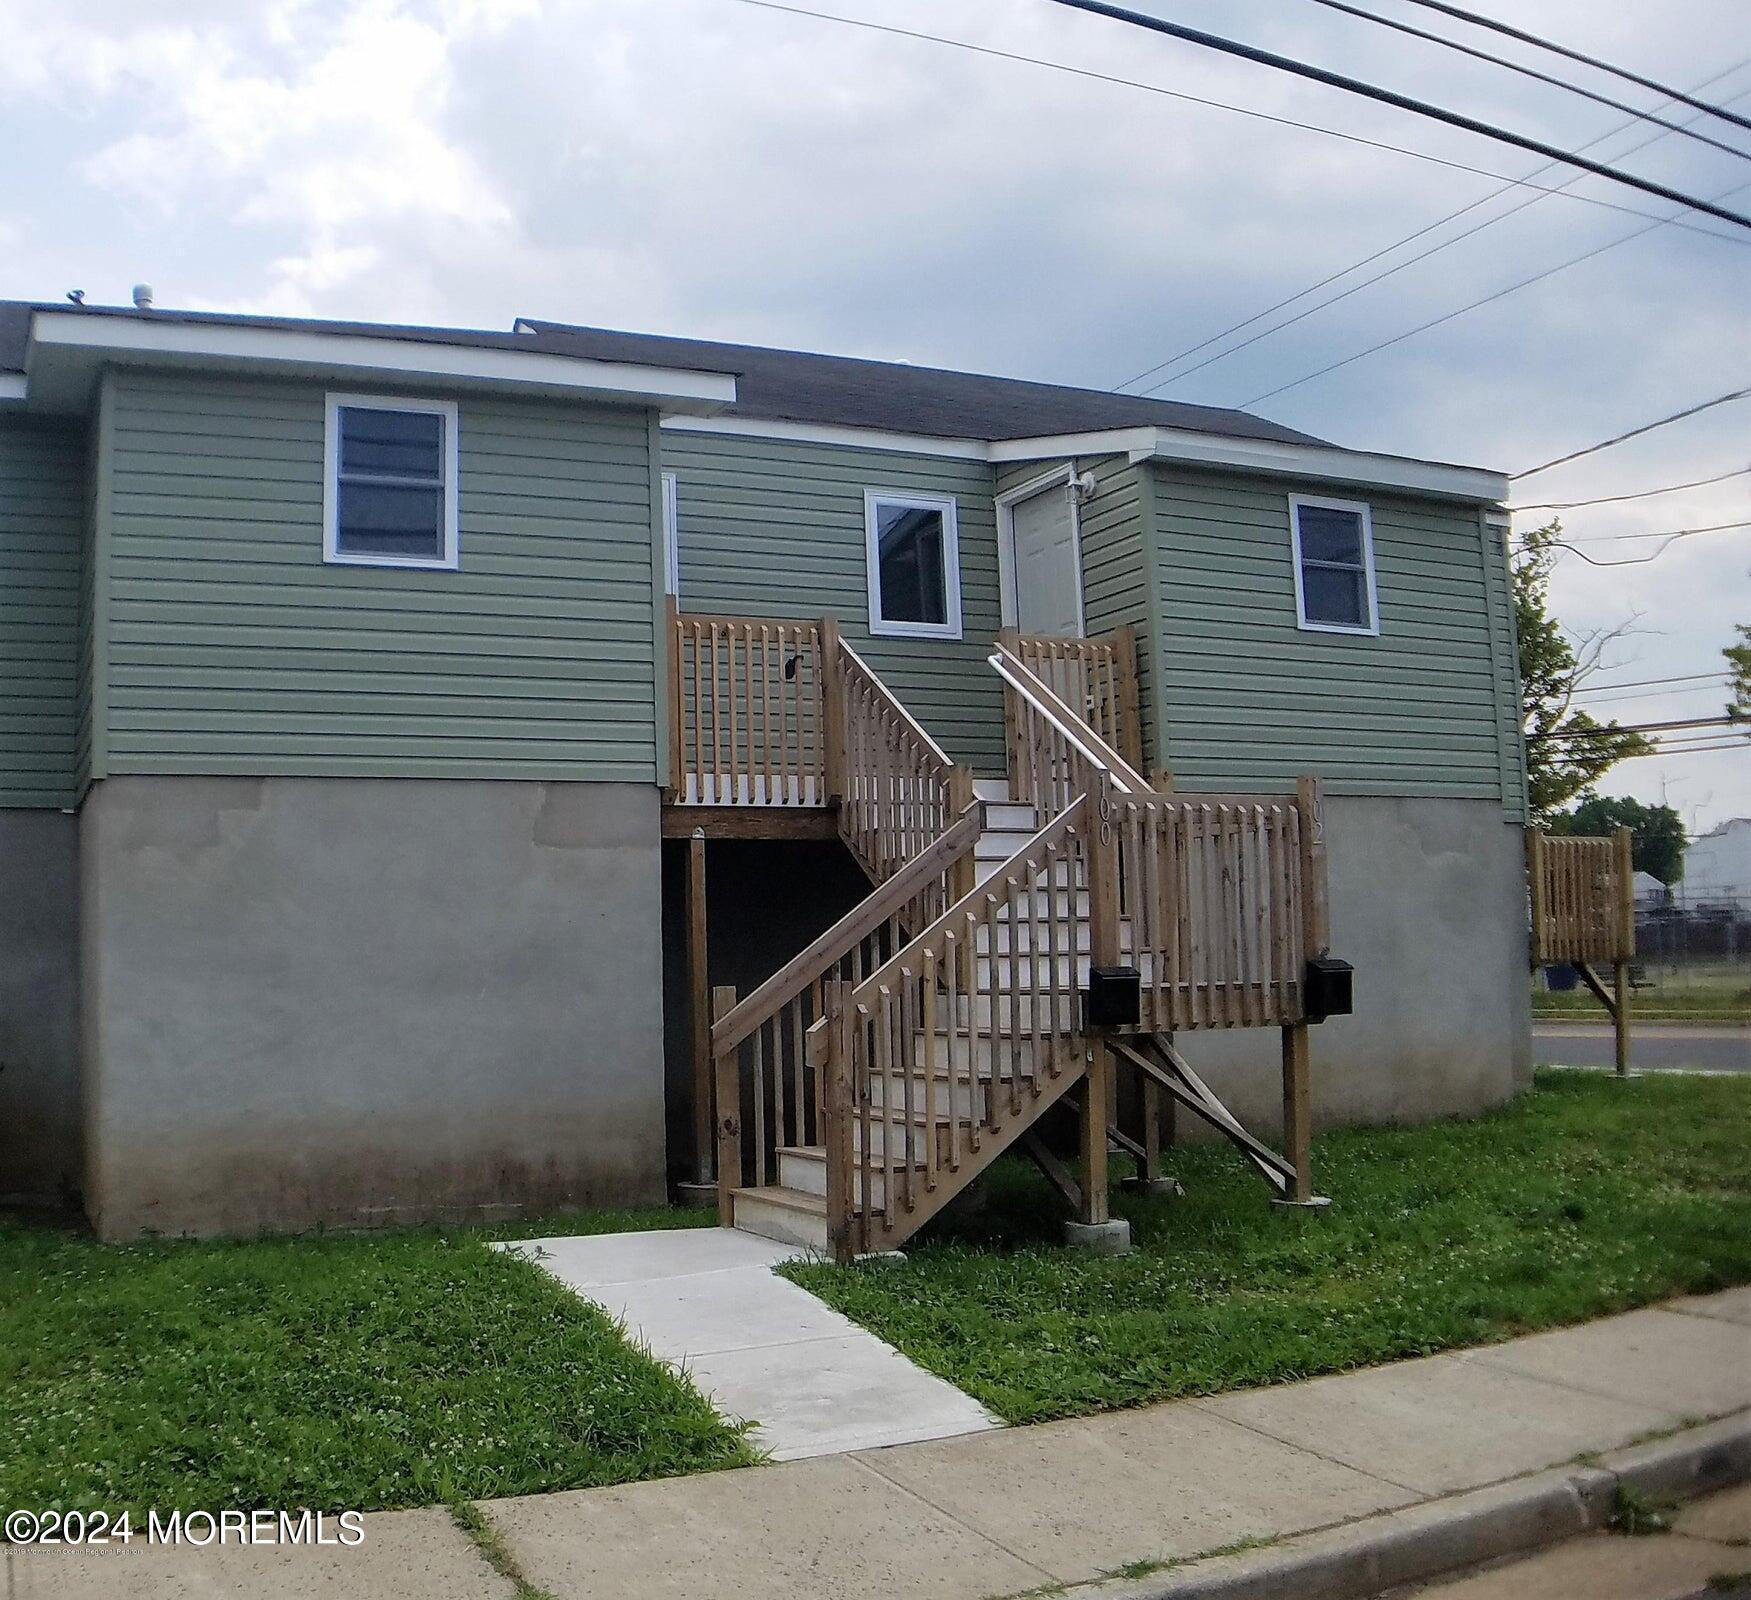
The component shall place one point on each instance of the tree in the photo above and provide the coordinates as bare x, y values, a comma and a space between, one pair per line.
1739, 666
1657, 832
1552, 666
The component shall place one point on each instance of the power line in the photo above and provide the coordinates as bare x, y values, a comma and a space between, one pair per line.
1635, 727
1634, 433
1646, 694
1409, 238
1617, 499
1222, 105
1575, 55
1529, 72
1403, 102
1488, 299
1664, 533
1643, 683
1637, 561
1686, 749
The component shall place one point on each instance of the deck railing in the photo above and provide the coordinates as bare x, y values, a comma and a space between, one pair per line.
1096, 677
748, 723
1583, 899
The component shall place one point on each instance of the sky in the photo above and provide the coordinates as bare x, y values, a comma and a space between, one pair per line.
720, 169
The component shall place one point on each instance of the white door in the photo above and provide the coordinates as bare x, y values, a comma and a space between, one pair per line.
1048, 574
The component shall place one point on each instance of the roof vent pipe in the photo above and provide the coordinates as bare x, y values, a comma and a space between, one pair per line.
142, 297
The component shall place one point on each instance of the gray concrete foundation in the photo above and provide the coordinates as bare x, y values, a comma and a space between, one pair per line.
39, 1008
359, 1001
1428, 900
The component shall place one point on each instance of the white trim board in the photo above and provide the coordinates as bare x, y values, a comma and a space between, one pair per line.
1325, 463
61, 337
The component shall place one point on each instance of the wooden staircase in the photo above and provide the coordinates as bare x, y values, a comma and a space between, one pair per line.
937, 1111
862, 1087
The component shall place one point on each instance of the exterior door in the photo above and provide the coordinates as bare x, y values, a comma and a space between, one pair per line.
1048, 573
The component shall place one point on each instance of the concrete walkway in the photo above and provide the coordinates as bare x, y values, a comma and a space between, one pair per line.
707, 1301
1377, 1454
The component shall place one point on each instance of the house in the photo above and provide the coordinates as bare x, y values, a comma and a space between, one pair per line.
367, 685
1717, 867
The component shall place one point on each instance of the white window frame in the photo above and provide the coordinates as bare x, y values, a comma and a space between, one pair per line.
913, 500
451, 558
1366, 517
671, 535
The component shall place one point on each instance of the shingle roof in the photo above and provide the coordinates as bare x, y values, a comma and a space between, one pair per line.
775, 385
796, 386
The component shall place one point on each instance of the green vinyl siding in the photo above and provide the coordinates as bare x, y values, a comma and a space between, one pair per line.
1248, 700
775, 528
232, 647
42, 512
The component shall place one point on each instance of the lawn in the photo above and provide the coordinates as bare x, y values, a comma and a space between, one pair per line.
1714, 991
1585, 1197
336, 1372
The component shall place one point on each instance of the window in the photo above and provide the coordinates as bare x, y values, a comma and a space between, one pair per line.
390, 495
671, 536
1334, 566
914, 565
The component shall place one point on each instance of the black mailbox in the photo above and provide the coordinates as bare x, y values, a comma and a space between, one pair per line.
1113, 998
1328, 988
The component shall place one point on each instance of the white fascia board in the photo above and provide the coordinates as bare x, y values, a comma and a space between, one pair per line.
1326, 462
913, 444
143, 339
1102, 442
12, 388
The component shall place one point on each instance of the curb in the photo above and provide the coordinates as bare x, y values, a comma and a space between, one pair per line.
1420, 1542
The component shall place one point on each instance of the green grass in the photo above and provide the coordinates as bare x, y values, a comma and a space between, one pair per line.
1585, 1197
1706, 991
336, 1372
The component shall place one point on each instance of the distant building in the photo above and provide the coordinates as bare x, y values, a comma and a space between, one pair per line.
1717, 866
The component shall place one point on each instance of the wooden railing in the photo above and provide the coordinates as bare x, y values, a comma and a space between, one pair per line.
767, 1093
748, 720
899, 792
945, 1054
1096, 677
1583, 899
1054, 753
1216, 892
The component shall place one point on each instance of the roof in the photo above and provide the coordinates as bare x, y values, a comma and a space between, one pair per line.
897, 397
771, 385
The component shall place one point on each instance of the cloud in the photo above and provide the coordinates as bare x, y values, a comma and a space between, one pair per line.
708, 167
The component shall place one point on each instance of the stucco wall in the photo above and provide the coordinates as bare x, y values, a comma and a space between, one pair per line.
1428, 901
315, 1001
39, 984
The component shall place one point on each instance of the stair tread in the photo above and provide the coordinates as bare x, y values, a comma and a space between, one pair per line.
791, 1199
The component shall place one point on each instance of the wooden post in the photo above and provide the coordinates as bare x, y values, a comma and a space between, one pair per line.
1096, 1100
677, 701
729, 1114
1015, 767
1298, 1111
1625, 945
1535, 876
1161, 780
831, 678
1101, 848
699, 1018
1130, 740
836, 1130
1316, 941
960, 796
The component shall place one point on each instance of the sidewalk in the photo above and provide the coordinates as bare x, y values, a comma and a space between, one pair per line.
1000, 1513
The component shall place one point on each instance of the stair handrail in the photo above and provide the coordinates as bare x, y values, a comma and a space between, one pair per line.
867, 1043
1081, 744
824, 953
896, 786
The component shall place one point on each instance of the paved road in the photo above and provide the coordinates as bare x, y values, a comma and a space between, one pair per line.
1653, 1045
